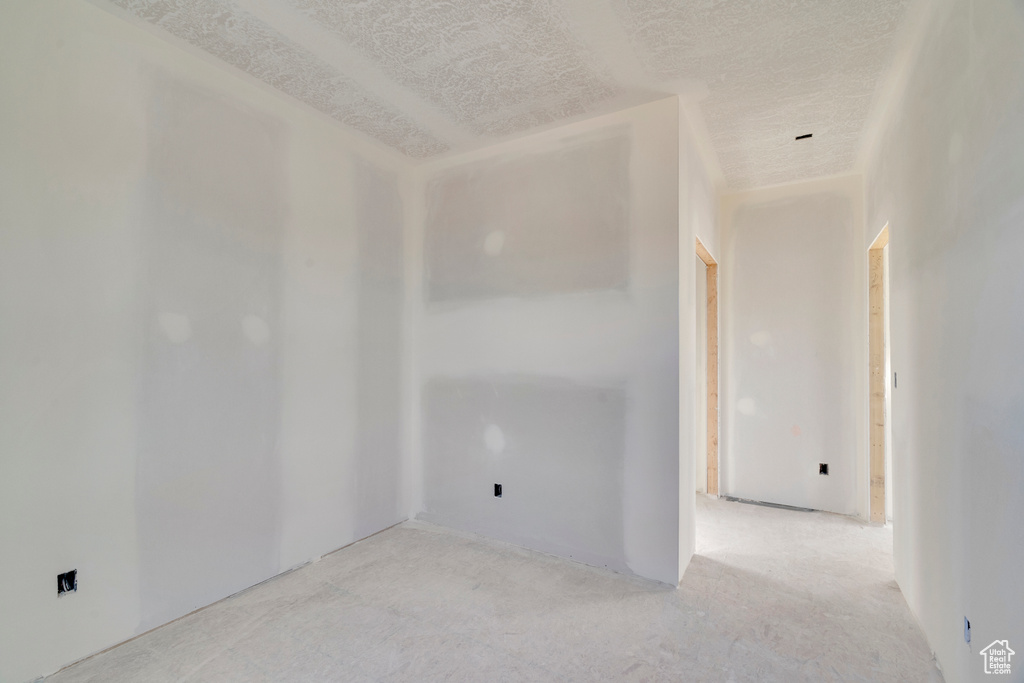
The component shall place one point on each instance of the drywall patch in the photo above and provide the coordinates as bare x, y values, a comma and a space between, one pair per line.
761, 338
543, 224
208, 493
563, 448
175, 326
494, 242
256, 329
494, 439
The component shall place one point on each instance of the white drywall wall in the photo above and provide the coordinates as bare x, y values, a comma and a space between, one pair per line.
792, 293
200, 288
557, 379
698, 218
947, 174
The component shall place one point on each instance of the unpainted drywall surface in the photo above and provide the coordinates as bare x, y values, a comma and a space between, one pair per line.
698, 196
188, 284
698, 218
557, 449
525, 349
492, 231
211, 217
381, 266
792, 306
947, 174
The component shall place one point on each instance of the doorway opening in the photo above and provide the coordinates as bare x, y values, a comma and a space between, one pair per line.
880, 458
707, 375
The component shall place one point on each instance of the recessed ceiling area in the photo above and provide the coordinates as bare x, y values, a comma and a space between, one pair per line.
426, 77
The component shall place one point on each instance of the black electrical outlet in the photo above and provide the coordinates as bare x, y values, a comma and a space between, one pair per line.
823, 468
497, 490
67, 582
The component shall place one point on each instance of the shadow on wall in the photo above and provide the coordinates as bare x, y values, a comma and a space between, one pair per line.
208, 477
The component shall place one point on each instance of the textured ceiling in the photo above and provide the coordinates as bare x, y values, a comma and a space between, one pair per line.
494, 66
428, 76
774, 69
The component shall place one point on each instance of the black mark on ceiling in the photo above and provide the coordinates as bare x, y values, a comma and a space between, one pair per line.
804, 137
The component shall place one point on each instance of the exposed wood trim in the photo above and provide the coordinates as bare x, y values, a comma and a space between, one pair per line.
876, 359
712, 365
705, 255
712, 402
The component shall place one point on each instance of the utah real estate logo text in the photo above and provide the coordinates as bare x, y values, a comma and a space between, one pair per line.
997, 657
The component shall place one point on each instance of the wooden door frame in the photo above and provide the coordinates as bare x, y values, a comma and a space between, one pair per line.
712, 365
877, 374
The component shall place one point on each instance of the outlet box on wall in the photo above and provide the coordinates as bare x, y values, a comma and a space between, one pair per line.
67, 582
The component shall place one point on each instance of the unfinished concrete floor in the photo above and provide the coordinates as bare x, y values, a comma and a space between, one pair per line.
772, 595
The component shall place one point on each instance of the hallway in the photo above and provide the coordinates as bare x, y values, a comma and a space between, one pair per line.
770, 595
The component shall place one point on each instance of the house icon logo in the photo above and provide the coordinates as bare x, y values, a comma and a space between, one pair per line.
997, 657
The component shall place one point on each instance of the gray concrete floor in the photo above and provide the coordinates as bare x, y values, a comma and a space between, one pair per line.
772, 595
